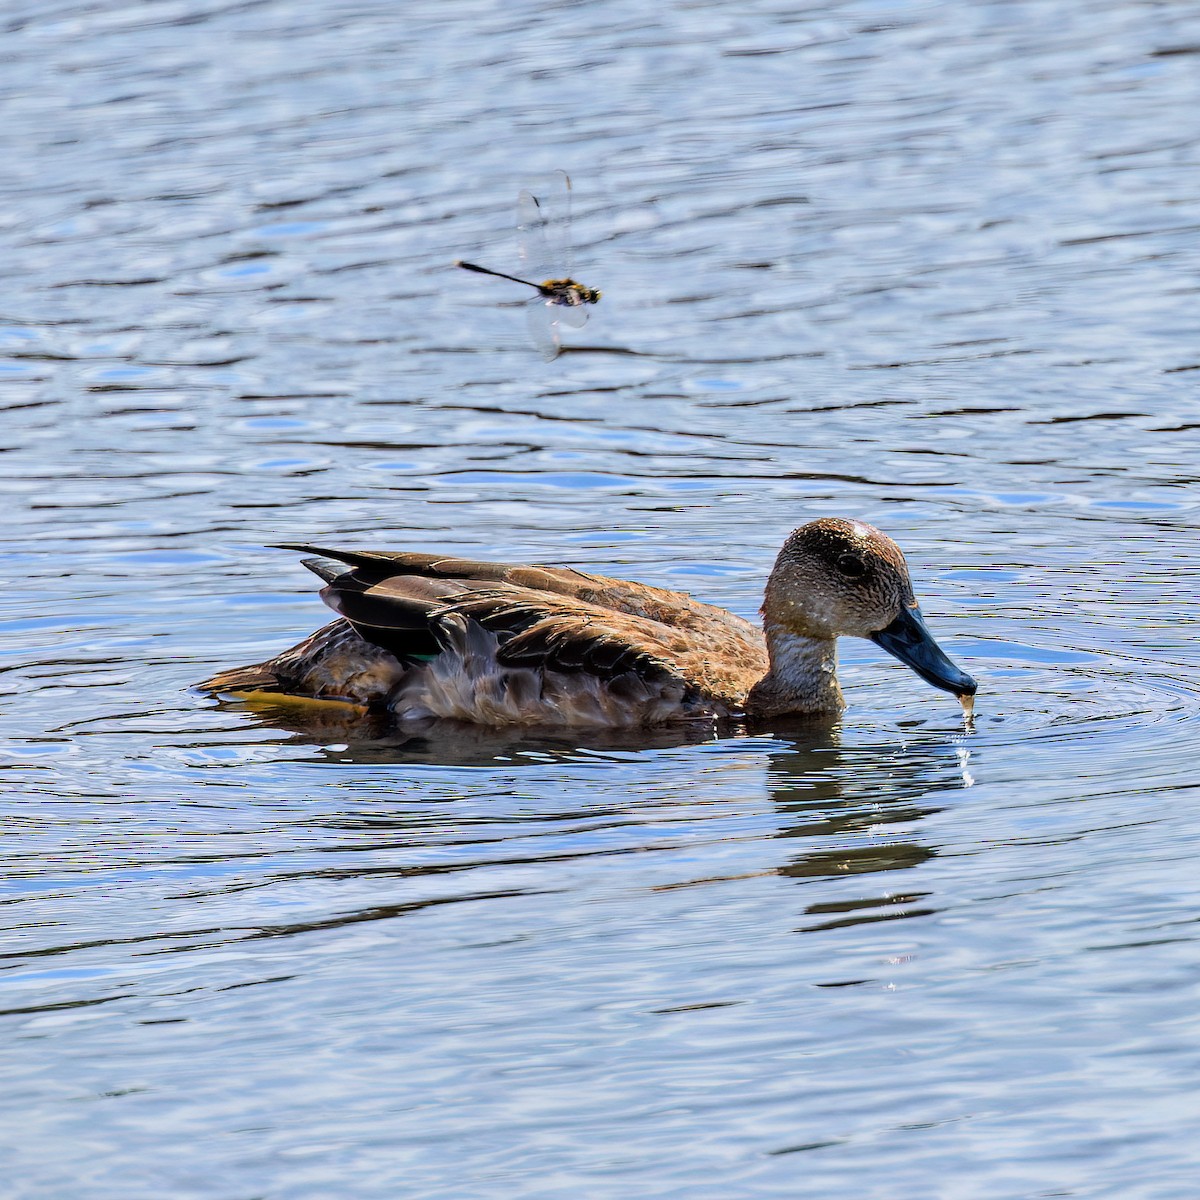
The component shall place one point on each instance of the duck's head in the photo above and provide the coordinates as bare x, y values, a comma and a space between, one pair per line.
841, 577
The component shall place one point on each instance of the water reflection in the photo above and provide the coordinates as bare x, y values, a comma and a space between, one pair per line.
842, 812
854, 815
851, 813
345, 736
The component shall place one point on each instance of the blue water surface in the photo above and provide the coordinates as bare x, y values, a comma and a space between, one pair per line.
931, 265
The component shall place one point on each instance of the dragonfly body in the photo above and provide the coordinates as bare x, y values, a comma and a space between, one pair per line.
568, 291
556, 291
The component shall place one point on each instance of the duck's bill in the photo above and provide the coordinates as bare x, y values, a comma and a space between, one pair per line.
908, 639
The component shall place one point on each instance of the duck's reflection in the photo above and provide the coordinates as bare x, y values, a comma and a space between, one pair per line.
344, 735
855, 811
850, 803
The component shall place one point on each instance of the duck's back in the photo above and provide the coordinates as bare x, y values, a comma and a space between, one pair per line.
433, 636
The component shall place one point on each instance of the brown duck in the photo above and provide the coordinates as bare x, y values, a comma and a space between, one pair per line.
423, 635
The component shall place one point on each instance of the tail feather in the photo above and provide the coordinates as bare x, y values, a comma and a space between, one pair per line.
256, 678
335, 663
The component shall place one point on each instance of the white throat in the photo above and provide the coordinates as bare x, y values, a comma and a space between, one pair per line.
803, 675
802, 664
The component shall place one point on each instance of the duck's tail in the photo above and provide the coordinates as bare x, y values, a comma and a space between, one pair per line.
256, 678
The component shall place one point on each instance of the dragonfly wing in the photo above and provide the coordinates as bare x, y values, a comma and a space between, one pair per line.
542, 319
544, 226
557, 207
544, 229
575, 315
531, 237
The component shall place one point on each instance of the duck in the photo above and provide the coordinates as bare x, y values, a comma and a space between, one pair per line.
422, 636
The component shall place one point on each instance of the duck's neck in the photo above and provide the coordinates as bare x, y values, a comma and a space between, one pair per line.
802, 676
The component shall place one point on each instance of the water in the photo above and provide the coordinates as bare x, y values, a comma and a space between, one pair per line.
929, 265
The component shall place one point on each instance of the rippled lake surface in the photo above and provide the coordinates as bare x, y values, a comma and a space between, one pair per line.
930, 265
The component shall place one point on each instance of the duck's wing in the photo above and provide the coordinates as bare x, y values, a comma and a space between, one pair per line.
539, 627
570, 635
675, 609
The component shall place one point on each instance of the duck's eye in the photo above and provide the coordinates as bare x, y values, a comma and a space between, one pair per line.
851, 566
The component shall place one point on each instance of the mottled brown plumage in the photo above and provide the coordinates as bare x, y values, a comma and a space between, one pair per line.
425, 635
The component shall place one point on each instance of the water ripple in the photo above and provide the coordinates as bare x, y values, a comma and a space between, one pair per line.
928, 265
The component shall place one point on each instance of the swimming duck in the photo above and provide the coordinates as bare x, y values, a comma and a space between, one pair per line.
423, 635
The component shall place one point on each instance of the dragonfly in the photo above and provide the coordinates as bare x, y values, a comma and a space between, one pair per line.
544, 229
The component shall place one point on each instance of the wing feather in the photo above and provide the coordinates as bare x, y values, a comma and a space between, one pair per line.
676, 609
